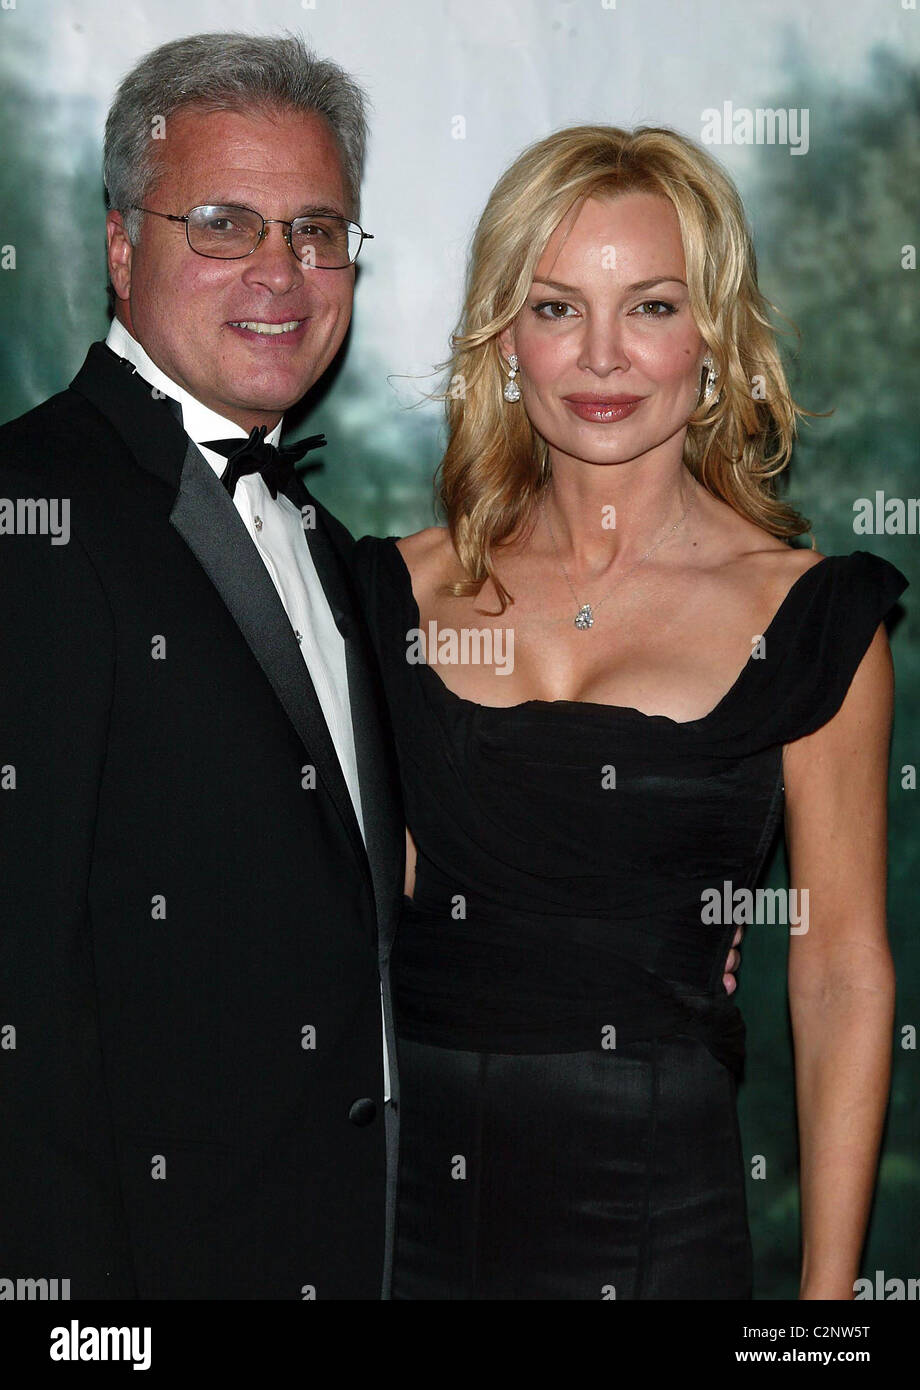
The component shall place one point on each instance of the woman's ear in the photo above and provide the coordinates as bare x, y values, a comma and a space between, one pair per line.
506, 342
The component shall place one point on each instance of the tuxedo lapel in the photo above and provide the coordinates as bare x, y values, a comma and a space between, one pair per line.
377, 774
210, 525
204, 516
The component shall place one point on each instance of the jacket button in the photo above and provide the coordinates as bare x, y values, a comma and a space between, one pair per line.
363, 1112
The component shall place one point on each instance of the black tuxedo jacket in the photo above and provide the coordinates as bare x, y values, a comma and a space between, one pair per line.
193, 934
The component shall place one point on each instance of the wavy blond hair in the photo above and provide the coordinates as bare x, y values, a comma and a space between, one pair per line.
496, 463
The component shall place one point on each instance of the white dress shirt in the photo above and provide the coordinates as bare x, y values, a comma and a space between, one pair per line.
276, 529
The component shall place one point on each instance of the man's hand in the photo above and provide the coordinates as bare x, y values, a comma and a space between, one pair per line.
732, 961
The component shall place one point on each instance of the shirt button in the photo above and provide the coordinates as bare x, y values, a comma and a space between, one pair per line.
363, 1112
257, 522
299, 636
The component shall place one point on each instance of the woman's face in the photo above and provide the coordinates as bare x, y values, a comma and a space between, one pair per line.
609, 356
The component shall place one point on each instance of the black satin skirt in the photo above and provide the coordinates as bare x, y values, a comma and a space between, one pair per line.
577, 1175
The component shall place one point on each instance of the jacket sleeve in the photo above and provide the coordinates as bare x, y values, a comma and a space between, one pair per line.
61, 1213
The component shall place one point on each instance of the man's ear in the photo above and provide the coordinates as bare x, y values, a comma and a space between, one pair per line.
120, 252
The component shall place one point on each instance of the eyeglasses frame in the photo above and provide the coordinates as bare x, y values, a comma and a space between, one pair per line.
266, 223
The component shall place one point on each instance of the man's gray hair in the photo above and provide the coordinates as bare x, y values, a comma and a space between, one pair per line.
225, 72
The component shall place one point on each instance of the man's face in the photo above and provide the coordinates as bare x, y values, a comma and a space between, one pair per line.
183, 308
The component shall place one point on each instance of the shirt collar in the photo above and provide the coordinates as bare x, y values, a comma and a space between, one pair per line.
198, 421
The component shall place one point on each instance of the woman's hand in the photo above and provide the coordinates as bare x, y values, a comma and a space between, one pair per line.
732, 961
411, 856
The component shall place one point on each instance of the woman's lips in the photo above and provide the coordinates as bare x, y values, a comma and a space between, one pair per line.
602, 409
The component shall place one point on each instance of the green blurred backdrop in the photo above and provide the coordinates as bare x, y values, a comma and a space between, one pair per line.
830, 228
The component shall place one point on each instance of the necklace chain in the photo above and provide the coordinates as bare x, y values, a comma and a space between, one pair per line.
584, 618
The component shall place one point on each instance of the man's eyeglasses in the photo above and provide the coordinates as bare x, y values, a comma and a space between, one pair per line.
323, 241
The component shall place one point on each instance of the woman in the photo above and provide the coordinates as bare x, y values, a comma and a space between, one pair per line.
650, 676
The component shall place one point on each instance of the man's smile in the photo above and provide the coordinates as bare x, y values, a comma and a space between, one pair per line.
288, 330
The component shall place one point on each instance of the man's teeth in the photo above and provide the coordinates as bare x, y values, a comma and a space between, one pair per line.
255, 327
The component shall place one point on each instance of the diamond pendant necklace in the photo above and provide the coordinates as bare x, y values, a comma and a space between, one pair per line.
584, 618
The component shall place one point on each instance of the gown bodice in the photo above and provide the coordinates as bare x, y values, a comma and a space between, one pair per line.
582, 867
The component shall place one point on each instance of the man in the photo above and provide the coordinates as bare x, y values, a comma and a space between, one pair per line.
202, 844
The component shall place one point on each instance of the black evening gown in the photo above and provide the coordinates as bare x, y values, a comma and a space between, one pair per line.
568, 1057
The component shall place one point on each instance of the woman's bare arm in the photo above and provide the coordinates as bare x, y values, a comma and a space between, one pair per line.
841, 976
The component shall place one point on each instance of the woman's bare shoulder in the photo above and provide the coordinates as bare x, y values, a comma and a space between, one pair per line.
744, 570
751, 557
774, 568
430, 557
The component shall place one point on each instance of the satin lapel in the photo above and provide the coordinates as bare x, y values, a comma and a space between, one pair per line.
208, 522
377, 772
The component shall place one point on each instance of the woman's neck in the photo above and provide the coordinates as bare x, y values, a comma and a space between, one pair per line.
605, 517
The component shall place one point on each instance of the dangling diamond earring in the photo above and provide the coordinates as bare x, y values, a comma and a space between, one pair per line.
512, 391
712, 377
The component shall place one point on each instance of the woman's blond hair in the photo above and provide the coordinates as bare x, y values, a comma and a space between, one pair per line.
496, 464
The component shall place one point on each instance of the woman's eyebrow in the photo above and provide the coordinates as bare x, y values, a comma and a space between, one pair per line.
629, 289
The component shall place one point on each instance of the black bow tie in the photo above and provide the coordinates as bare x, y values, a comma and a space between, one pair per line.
253, 455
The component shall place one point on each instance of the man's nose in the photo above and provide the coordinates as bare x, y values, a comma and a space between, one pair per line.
273, 263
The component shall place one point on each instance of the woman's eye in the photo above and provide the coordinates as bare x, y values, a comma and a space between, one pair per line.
552, 304
661, 309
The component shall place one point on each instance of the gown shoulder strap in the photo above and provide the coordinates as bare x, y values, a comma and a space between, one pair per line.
814, 646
